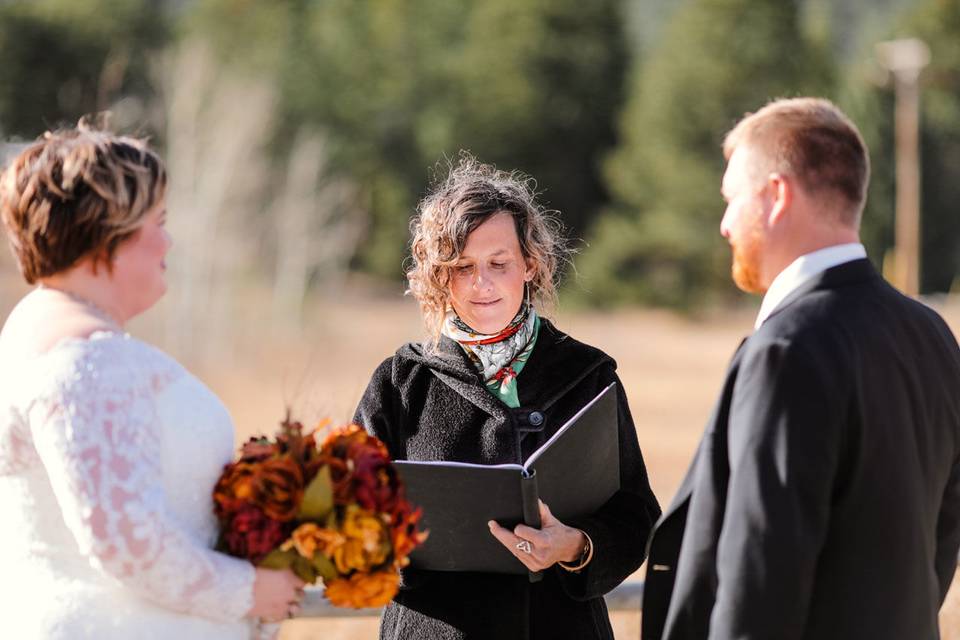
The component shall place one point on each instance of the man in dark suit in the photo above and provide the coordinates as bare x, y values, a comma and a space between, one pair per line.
824, 499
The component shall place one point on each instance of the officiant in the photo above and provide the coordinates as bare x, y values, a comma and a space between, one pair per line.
491, 383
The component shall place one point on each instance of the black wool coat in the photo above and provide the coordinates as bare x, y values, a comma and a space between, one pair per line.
824, 500
435, 407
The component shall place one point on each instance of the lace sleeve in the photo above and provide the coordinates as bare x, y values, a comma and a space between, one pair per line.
98, 434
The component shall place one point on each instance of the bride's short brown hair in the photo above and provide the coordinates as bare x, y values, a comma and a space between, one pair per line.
75, 193
471, 193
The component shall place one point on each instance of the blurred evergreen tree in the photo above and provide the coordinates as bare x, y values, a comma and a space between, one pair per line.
399, 86
937, 22
63, 59
717, 59
872, 111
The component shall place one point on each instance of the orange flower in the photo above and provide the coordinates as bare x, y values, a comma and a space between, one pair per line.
363, 589
234, 488
309, 538
278, 487
362, 543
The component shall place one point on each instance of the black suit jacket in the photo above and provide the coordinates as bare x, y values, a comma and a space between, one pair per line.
824, 498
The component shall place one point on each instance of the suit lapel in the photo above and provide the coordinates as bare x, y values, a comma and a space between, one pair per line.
686, 486
843, 274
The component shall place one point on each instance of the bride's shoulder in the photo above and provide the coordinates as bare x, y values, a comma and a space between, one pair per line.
110, 351
40, 322
67, 346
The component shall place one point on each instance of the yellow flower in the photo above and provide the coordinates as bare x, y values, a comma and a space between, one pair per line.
363, 589
366, 541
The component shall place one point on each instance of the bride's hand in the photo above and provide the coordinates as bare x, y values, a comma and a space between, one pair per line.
276, 595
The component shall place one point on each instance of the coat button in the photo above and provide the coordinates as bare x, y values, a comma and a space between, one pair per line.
536, 418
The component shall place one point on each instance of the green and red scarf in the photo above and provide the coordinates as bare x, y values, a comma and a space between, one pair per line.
498, 357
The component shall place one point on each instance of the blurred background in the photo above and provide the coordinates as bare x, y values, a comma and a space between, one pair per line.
300, 135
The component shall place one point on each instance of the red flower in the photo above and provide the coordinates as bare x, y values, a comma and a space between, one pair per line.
234, 489
361, 471
406, 537
251, 534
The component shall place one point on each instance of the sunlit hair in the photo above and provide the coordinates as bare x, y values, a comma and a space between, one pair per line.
75, 193
471, 193
811, 140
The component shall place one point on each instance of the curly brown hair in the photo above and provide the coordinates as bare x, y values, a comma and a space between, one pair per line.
75, 193
471, 193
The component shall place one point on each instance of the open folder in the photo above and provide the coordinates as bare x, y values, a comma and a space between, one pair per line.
575, 472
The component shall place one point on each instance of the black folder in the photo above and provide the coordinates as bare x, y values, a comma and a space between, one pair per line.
575, 472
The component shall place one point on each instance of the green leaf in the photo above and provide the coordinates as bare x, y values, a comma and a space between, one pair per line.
278, 559
324, 566
304, 569
318, 498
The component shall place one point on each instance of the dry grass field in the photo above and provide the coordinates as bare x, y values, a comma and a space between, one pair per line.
671, 367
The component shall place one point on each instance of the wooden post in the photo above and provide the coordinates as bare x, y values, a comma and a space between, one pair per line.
904, 59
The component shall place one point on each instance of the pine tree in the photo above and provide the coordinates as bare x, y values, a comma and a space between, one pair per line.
716, 60
399, 86
63, 59
938, 23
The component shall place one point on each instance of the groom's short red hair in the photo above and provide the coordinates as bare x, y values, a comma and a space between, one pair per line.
813, 141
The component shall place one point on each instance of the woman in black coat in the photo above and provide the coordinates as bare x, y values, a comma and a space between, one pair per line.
493, 384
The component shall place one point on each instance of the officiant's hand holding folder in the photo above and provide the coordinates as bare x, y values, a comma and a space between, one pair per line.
575, 472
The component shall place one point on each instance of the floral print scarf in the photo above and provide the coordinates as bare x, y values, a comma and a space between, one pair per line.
498, 357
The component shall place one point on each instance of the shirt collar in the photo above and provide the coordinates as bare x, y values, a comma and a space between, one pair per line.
801, 270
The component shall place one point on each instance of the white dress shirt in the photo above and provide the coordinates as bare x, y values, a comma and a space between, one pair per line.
801, 270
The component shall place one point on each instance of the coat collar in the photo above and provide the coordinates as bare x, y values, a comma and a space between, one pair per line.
852, 272
557, 364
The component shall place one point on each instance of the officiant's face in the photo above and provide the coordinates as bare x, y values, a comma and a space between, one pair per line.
743, 223
487, 283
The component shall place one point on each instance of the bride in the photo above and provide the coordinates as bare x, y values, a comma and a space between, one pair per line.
109, 449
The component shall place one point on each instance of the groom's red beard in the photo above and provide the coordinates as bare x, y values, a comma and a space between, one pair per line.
747, 252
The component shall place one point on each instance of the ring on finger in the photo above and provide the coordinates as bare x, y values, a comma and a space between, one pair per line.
524, 545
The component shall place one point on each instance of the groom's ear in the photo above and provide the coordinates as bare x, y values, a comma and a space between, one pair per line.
779, 192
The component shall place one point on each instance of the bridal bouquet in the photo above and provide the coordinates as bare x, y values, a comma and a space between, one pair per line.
335, 511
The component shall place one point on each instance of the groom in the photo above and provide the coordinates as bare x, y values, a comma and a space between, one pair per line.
824, 499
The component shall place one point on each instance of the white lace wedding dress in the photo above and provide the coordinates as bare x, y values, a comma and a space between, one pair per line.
109, 451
